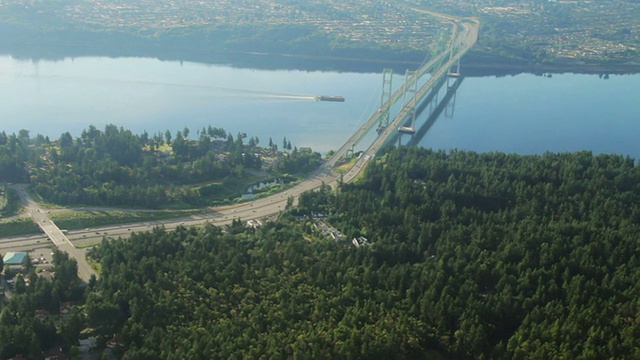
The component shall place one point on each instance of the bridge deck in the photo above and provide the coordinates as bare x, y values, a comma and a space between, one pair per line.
466, 38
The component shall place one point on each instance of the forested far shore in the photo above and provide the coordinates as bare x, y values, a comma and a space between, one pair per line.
205, 45
460, 255
315, 53
474, 64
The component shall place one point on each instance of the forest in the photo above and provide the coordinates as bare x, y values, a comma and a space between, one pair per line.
23, 330
115, 167
51, 39
471, 256
513, 35
9, 201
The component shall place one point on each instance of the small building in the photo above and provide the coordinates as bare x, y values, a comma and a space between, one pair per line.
254, 223
360, 241
18, 357
14, 258
55, 353
46, 274
66, 307
87, 345
115, 341
41, 314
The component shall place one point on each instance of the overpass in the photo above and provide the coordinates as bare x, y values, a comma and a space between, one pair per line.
464, 36
54, 234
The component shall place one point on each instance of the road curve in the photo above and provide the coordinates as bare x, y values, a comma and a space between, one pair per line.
256, 209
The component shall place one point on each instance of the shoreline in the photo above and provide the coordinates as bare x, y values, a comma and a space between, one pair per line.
473, 65
505, 69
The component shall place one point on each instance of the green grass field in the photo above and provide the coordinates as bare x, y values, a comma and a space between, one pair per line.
20, 226
73, 220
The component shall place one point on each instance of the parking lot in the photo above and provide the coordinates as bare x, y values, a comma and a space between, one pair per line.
41, 257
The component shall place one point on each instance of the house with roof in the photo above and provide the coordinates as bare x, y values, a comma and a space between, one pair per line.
87, 345
41, 314
18, 357
14, 258
360, 241
55, 353
115, 341
66, 307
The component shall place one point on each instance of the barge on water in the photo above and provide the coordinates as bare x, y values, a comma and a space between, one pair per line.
330, 98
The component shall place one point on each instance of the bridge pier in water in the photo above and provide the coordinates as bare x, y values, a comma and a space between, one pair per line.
415, 97
412, 98
410, 89
455, 73
446, 104
431, 98
439, 102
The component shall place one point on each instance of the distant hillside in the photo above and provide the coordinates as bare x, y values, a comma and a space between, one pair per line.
521, 36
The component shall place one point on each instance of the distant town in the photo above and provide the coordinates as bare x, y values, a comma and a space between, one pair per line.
540, 31
208, 245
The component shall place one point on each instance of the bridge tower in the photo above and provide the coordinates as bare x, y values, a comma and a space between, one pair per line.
454, 45
439, 46
409, 95
457, 72
385, 98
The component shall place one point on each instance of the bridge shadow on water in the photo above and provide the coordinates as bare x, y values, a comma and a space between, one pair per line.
436, 108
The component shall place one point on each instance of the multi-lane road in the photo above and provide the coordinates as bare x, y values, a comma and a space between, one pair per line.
64, 241
52, 233
256, 209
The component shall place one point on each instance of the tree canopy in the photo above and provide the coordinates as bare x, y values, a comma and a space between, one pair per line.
115, 167
471, 256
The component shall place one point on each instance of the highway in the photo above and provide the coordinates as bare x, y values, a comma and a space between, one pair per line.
468, 33
375, 117
465, 30
469, 36
52, 232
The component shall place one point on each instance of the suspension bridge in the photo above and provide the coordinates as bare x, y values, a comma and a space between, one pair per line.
444, 63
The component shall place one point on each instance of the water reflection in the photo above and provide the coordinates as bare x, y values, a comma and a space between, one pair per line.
525, 114
447, 104
440, 99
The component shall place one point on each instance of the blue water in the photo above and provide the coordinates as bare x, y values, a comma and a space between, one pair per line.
151, 95
523, 114
530, 114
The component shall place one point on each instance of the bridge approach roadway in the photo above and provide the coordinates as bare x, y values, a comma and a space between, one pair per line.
465, 36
